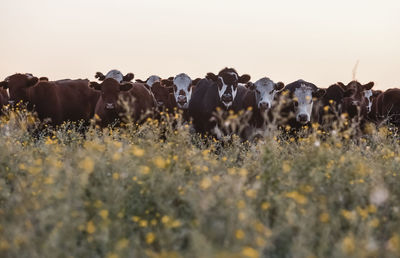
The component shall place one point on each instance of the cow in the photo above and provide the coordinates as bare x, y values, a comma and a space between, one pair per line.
3, 99
182, 86
299, 98
67, 100
332, 104
386, 107
357, 104
140, 101
216, 92
261, 99
150, 81
116, 75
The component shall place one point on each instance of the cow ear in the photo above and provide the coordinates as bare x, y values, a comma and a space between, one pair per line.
95, 85
368, 86
319, 93
125, 86
167, 82
45, 79
341, 85
279, 86
140, 81
128, 77
348, 93
194, 83
250, 86
100, 76
171, 78
212, 77
244, 78
32, 81
4, 84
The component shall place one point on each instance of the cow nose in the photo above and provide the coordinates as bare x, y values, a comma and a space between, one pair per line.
263, 105
182, 99
227, 98
110, 106
302, 118
11, 102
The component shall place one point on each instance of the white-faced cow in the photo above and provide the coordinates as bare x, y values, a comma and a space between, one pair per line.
301, 96
261, 98
215, 91
182, 86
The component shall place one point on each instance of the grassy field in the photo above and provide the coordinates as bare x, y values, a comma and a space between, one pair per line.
157, 190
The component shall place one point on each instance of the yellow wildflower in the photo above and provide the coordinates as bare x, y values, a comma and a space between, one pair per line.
299, 198
103, 214
324, 217
90, 228
348, 245
150, 237
250, 252
205, 183
87, 165
138, 152
239, 234
159, 162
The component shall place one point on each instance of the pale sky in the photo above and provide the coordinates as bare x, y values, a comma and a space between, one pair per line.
318, 41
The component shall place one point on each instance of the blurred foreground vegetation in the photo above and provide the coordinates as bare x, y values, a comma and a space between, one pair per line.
157, 190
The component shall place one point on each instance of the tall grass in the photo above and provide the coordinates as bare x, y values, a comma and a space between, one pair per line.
158, 190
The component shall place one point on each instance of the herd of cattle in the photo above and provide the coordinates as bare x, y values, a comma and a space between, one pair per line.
299, 102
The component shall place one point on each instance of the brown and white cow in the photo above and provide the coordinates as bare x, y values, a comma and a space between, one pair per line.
261, 98
357, 104
182, 86
140, 101
300, 98
68, 100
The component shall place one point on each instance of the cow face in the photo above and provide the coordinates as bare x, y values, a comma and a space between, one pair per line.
265, 90
18, 85
110, 90
303, 94
227, 82
182, 87
161, 94
368, 96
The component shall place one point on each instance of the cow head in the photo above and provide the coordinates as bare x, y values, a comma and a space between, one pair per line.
302, 95
265, 90
359, 97
116, 75
162, 94
227, 82
182, 87
18, 85
110, 89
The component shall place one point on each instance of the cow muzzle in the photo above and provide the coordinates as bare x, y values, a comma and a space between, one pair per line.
226, 98
110, 106
11, 102
302, 118
263, 106
181, 100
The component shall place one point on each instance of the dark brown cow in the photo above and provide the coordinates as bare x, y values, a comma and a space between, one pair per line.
67, 100
356, 104
164, 97
386, 107
108, 109
3, 99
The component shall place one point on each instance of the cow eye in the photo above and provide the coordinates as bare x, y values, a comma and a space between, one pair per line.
295, 103
258, 92
272, 91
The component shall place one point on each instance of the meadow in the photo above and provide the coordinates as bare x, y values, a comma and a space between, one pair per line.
158, 190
